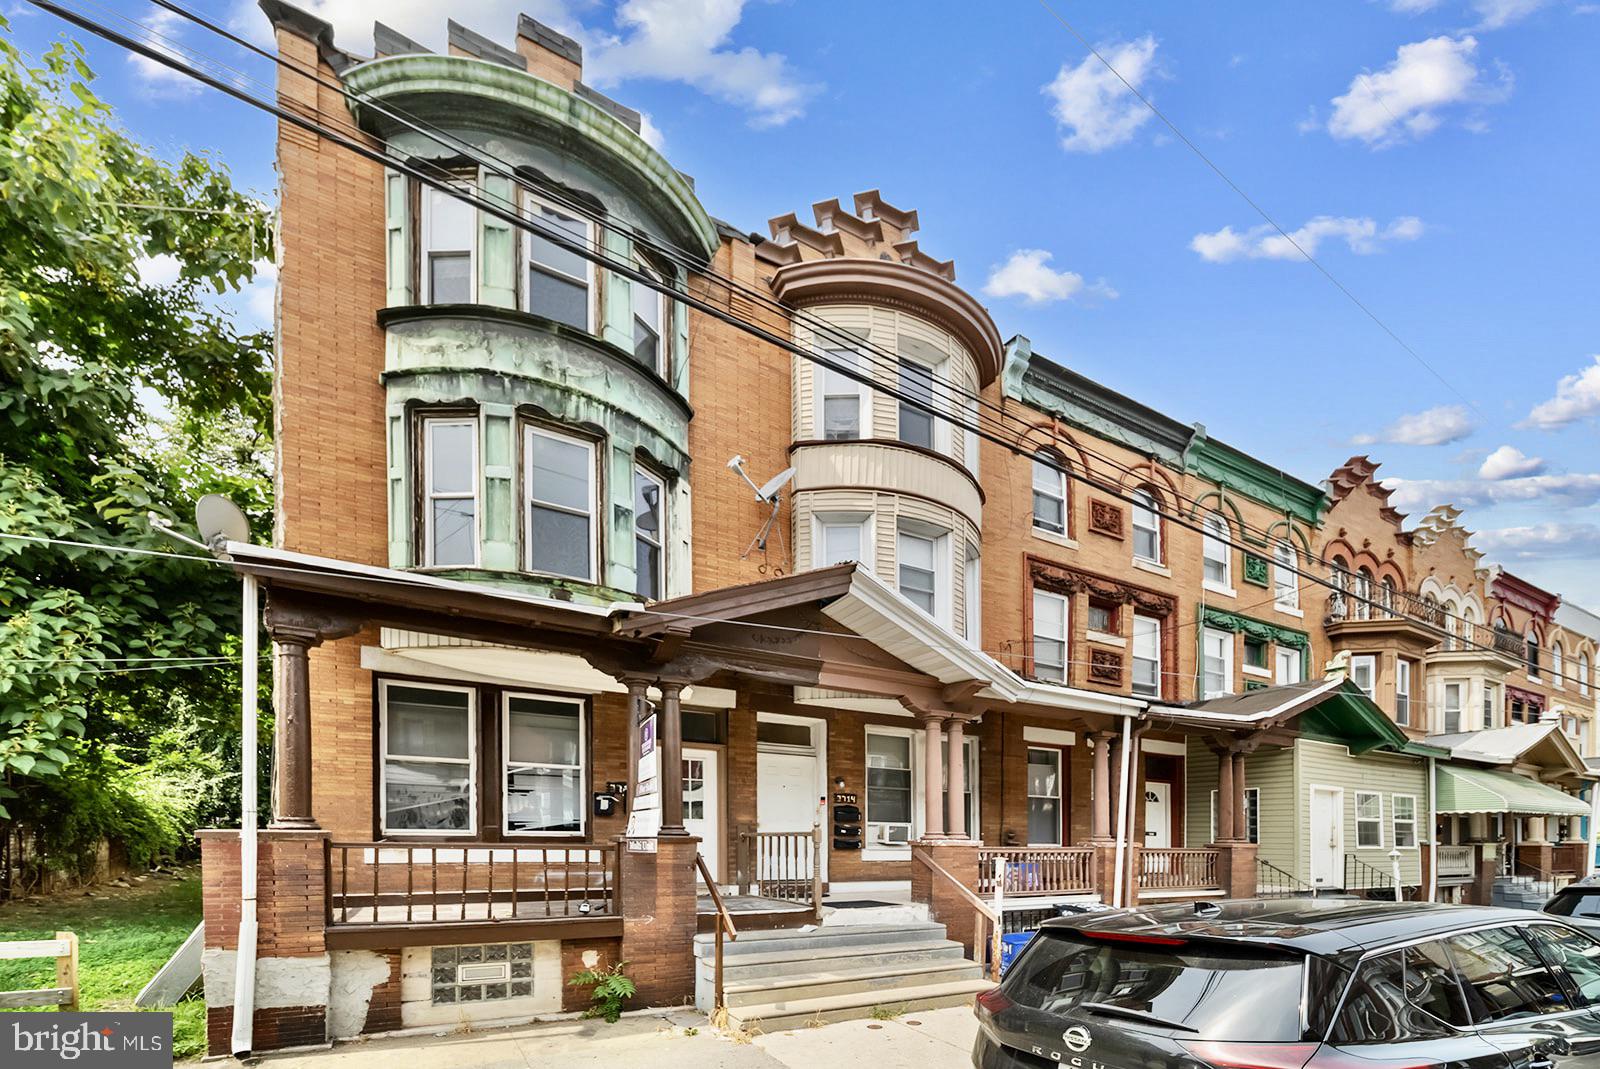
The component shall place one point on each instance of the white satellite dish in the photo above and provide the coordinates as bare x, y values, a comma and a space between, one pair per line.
769, 492
219, 519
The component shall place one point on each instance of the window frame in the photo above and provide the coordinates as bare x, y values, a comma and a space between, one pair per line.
1395, 822
1059, 797
660, 543
1279, 652
1252, 818
1134, 658
1065, 638
381, 801
664, 309
902, 360
1136, 506
820, 375
1227, 662
1460, 687
1583, 674
1216, 549
939, 539
1285, 595
425, 212
870, 841
526, 263
1403, 674
1040, 464
972, 596
1370, 660
1530, 651
971, 753
585, 777
822, 522
596, 532
1558, 664
1376, 821
426, 422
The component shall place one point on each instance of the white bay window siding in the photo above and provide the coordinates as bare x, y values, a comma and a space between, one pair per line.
449, 491
560, 529
428, 775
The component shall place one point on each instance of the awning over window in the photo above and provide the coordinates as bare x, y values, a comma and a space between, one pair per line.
1478, 790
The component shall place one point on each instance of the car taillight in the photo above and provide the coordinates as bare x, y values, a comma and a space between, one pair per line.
990, 1002
1252, 1055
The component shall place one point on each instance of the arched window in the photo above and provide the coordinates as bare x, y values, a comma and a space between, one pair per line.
1451, 623
1049, 493
1363, 593
1531, 639
1583, 674
1386, 597
1556, 665
1146, 526
1285, 577
1343, 584
1218, 553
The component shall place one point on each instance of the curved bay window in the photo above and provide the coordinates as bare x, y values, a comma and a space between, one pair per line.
560, 495
544, 759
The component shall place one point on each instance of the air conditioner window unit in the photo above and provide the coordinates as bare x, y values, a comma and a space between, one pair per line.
894, 834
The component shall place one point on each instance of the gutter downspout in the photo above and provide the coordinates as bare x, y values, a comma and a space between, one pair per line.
1433, 835
244, 977
1117, 888
1594, 825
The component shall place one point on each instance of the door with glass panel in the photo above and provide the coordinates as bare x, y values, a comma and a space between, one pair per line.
1044, 796
702, 805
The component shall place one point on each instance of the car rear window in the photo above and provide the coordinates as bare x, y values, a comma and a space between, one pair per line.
1576, 904
1221, 991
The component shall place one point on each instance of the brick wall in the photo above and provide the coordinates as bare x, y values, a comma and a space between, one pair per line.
609, 952
383, 1012
658, 922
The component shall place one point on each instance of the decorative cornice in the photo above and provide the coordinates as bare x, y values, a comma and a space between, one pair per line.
1231, 469
930, 295
1358, 472
1514, 590
1224, 620
1062, 579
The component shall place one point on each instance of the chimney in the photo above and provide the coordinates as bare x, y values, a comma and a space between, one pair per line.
551, 56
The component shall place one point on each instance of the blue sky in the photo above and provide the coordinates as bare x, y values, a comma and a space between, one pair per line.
1439, 156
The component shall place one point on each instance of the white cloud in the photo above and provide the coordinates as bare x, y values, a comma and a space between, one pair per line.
159, 270
1361, 235
1435, 426
1028, 274
1563, 491
1405, 99
1509, 462
651, 132
1577, 397
165, 30
1498, 13
1541, 541
1413, 7
1093, 108
684, 41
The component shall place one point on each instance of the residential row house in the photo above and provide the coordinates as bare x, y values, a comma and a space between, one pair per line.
620, 552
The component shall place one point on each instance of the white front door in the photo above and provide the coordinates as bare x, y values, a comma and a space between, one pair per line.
786, 797
1157, 814
702, 804
1327, 836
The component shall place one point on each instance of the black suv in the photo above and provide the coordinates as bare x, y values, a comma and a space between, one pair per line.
1298, 984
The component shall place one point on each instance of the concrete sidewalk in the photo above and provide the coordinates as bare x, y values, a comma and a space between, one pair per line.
937, 1039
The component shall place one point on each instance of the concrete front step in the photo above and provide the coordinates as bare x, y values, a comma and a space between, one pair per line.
832, 959
817, 938
885, 980
798, 1013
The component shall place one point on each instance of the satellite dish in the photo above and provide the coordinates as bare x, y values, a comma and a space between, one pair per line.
774, 484
219, 519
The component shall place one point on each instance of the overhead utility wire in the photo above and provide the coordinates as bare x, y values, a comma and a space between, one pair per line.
1259, 210
561, 239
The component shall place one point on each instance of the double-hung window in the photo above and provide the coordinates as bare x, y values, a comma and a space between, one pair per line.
450, 491
1557, 666
841, 400
1146, 527
1044, 797
1490, 694
1217, 553
449, 235
1216, 667
1049, 495
1402, 692
544, 758
1146, 655
1454, 693
916, 421
969, 772
1285, 576
1364, 673
1289, 665
1532, 640
649, 515
1049, 636
651, 313
919, 570
888, 788
1583, 674
1403, 815
559, 280
972, 596
429, 772
840, 539
1369, 820
560, 472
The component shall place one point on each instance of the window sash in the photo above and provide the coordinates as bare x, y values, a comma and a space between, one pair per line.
1214, 549
918, 582
1146, 655
535, 504
1051, 613
1364, 666
546, 260
650, 314
1049, 498
432, 495
1454, 693
969, 767
1216, 662
839, 541
916, 424
1402, 692
1285, 584
1369, 819
841, 401
889, 775
449, 235
391, 762
1290, 665
1146, 527
577, 784
648, 557
1252, 814
1404, 827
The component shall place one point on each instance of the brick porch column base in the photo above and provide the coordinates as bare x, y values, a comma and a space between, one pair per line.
292, 964
1540, 855
1485, 869
958, 857
1236, 869
658, 920
1104, 869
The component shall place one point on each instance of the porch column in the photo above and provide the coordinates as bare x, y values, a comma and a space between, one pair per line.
671, 774
1225, 796
638, 698
932, 779
1241, 810
291, 786
1100, 786
956, 814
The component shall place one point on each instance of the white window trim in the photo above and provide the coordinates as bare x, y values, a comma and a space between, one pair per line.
819, 388
871, 849
1227, 662
1133, 521
1291, 603
1461, 706
471, 760
1367, 659
1395, 822
526, 261
1061, 769
943, 585
1064, 638
1558, 666
862, 521
582, 766
531, 431
1161, 680
428, 495
1403, 670
1210, 540
1057, 492
660, 542
663, 312
1248, 791
972, 598
1360, 820
939, 392
1299, 655
426, 223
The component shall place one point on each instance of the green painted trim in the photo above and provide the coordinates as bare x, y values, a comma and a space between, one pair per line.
1349, 718
1256, 571
1227, 467
1224, 620
482, 87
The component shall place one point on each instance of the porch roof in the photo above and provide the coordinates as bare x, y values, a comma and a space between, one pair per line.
1543, 744
1460, 789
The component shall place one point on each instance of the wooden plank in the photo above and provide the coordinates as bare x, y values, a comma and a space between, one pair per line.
174, 979
389, 936
67, 969
45, 996
35, 948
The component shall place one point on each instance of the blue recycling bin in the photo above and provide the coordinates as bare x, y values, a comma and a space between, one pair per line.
1010, 947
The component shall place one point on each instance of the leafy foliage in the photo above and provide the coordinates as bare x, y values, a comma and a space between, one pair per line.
125, 391
612, 987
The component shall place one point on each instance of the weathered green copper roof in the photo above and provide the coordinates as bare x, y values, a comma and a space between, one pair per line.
1224, 620
1479, 790
512, 100
1227, 467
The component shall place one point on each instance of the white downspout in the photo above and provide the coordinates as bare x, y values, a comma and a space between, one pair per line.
244, 977
1117, 889
1433, 835
1594, 825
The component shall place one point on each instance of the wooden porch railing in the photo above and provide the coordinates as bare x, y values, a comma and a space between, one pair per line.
782, 865
409, 883
986, 930
725, 926
1455, 862
1176, 869
1055, 870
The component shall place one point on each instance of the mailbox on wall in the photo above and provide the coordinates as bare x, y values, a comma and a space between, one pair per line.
846, 822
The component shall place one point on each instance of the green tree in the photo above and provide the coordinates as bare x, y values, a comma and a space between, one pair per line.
119, 397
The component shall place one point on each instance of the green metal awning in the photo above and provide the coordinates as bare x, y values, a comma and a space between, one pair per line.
1478, 790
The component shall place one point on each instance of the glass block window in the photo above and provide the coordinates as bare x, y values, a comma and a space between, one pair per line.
488, 973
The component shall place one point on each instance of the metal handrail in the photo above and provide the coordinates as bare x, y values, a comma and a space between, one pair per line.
1281, 878
724, 925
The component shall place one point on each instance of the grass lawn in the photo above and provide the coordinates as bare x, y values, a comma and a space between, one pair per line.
124, 936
